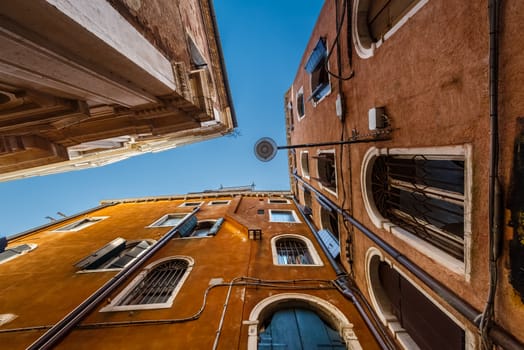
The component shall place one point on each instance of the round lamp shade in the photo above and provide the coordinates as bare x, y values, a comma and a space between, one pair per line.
265, 149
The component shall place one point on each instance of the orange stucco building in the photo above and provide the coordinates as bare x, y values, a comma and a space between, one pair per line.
199, 271
410, 113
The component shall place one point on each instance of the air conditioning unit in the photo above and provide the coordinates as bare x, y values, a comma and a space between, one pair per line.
376, 118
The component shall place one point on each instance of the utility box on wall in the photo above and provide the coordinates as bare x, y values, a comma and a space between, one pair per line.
376, 118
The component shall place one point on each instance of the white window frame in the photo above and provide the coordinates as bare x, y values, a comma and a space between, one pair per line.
220, 202
364, 46
337, 317
96, 219
304, 175
313, 102
32, 247
310, 247
158, 222
185, 204
439, 256
379, 302
113, 306
322, 187
293, 213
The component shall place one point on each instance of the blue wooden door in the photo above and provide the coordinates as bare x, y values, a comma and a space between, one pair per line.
298, 329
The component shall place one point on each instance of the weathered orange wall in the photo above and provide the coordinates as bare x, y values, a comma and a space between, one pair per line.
48, 285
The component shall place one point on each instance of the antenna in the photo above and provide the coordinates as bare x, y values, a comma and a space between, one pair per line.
265, 149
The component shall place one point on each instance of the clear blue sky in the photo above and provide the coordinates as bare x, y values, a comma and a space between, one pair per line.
263, 42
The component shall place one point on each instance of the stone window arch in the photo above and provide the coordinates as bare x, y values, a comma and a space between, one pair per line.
330, 314
389, 289
376, 21
155, 287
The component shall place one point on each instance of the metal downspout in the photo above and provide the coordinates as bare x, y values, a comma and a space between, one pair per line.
499, 335
344, 289
495, 193
66, 324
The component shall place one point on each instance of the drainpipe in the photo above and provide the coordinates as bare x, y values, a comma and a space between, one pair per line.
495, 193
343, 287
54, 335
497, 334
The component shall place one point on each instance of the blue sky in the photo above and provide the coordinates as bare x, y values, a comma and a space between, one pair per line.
263, 42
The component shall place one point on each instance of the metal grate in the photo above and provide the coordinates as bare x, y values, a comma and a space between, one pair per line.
293, 252
424, 196
158, 285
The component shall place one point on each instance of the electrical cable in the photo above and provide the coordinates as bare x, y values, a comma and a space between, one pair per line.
337, 41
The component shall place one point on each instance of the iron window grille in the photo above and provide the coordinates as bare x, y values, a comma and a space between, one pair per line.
292, 251
158, 285
425, 196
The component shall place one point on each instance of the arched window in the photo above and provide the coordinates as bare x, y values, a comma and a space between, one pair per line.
422, 196
299, 321
304, 163
376, 20
155, 287
294, 250
417, 321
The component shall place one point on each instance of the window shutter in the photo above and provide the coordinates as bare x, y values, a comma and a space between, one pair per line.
330, 242
185, 229
3, 244
127, 256
319, 52
7, 254
213, 231
102, 255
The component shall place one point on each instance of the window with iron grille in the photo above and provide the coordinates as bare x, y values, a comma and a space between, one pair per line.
154, 288
293, 252
291, 249
424, 195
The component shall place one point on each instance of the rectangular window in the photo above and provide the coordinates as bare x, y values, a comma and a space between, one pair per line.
191, 204
425, 196
278, 201
316, 67
283, 216
225, 202
327, 171
80, 224
168, 220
